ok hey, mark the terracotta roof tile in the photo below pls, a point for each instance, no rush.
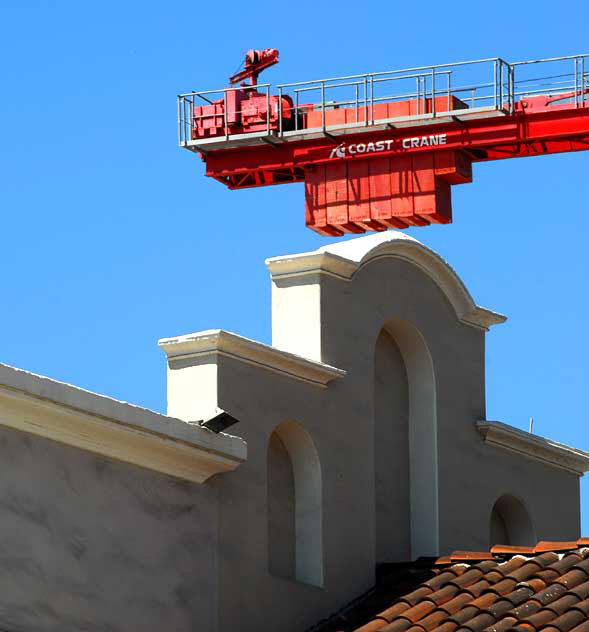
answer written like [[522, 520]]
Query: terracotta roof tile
[[510, 565], [448, 626], [540, 619], [584, 565], [454, 605], [477, 589], [499, 608], [525, 572], [518, 596], [504, 587], [523, 627], [466, 614], [481, 622], [581, 590], [567, 621], [416, 596], [432, 621], [512, 550], [536, 584], [527, 609], [398, 625], [484, 601], [567, 562], [442, 579], [446, 559], [420, 611], [373, 626], [549, 594], [470, 577], [502, 626], [555, 546], [470, 556], [548, 575], [390, 613], [525, 589], [444, 594], [560, 606]]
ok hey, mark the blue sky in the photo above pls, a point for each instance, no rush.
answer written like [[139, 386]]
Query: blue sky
[[113, 238]]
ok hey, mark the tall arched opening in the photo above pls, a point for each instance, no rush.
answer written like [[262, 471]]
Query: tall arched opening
[[406, 485], [511, 523], [295, 534]]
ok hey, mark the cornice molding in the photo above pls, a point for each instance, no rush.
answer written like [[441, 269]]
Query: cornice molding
[[217, 342], [500, 435], [343, 259], [74, 417], [311, 263]]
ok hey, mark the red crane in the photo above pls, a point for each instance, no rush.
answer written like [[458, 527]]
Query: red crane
[[382, 150]]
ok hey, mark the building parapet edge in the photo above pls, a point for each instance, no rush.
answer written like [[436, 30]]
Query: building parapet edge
[[331, 261], [113, 429], [500, 435], [217, 342]]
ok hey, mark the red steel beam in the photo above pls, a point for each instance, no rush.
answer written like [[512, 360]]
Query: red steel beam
[[560, 129]]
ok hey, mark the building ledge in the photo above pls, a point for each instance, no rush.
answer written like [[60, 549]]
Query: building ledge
[[549, 452], [217, 342], [114, 429]]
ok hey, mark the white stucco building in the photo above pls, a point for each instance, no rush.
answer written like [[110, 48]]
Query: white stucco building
[[361, 439]]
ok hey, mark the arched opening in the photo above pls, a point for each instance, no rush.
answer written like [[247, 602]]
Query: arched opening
[[406, 486], [295, 535], [511, 523]]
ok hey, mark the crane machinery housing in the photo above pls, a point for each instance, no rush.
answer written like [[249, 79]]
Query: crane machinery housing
[[381, 150]]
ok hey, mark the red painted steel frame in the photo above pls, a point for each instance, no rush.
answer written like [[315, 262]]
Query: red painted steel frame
[[399, 185]]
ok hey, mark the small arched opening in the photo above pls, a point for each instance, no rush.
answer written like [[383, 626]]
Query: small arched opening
[[295, 535], [511, 523], [406, 462]]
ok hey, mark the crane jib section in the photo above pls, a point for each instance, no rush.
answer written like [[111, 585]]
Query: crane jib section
[[373, 164]]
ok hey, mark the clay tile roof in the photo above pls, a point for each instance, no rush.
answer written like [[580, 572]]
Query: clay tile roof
[[526, 589]]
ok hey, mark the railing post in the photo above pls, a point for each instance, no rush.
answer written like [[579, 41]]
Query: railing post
[[365, 100], [576, 70], [433, 93], [280, 110], [500, 84], [371, 100], [225, 117], [511, 88], [323, 105], [448, 76], [583, 78], [188, 120], [179, 122], [495, 84], [268, 110]]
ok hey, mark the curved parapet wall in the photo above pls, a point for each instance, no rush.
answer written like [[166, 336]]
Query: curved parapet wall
[[296, 280]]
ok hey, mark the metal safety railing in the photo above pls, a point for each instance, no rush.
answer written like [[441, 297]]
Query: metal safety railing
[[369, 99]]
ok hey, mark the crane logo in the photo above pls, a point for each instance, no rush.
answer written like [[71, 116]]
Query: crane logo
[[343, 150], [339, 151]]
